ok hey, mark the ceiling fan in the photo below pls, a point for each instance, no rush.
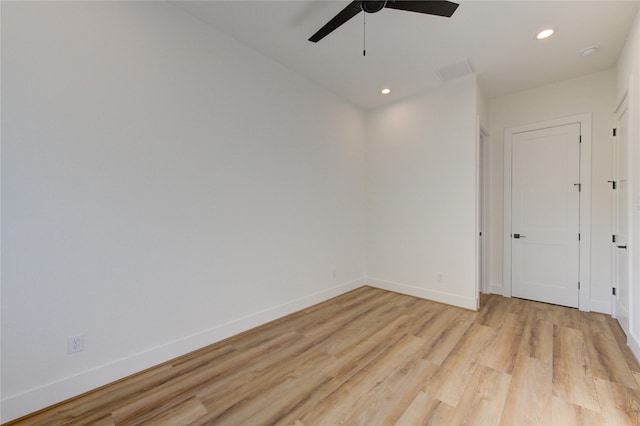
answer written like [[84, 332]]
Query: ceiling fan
[[430, 7]]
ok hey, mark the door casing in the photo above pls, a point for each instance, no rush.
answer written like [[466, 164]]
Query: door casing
[[585, 202], [483, 210], [620, 265]]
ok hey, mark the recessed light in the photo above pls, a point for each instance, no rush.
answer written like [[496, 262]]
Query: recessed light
[[385, 91], [589, 50], [546, 33]]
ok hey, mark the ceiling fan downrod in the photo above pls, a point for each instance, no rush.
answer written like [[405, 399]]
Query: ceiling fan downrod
[[369, 7], [364, 34]]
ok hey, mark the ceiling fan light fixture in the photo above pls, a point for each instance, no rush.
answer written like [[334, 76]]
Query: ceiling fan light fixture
[[546, 33], [385, 91]]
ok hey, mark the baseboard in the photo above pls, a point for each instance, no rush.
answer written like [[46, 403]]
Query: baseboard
[[436, 296], [16, 406], [634, 346]]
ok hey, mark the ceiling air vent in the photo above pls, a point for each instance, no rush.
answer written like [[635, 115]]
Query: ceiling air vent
[[457, 70]]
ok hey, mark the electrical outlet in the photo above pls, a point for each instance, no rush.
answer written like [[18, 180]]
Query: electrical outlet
[[75, 343]]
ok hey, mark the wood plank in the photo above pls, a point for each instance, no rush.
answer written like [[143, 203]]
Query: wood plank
[[260, 376], [619, 404], [529, 396], [443, 333], [345, 315], [565, 413], [483, 400], [353, 359], [621, 338], [191, 382], [537, 338], [261, 405], [503, 348], [425, 410], [492, 313], [607, 359], [389, 398], [183, 413], [566, 317], [449, 382], [340, 405], [358, 330], [572, 378], [78, 410]]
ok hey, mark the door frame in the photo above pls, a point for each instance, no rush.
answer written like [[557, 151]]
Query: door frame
[[584, 273], [482, 192], [622, 106]]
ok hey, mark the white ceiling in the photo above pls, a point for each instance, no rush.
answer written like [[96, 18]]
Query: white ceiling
[[404, 49]]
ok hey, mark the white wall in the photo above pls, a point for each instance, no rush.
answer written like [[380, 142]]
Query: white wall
[[163, 187], [421, 193], [590, 94], [628, 81]]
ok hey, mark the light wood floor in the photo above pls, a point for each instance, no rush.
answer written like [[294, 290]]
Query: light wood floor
[[373, 357]]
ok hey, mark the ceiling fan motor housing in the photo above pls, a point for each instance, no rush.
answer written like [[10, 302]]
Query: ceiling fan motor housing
[[372, 6]]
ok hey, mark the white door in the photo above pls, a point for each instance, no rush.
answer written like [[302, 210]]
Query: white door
[[545, 207], [621, 219]]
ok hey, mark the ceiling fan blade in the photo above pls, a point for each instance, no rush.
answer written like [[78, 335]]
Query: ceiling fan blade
[[347, 13], [431, 7]]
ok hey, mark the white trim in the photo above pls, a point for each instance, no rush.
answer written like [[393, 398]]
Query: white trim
[[483, 246], [16, 406], [585, 202], [622, 106], [634, 346], [613, 202], [478, 240], [423, 293], [630, 98], [634, 254]]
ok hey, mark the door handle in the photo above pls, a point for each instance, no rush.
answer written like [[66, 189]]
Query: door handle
[[623, 247], [519, 236]]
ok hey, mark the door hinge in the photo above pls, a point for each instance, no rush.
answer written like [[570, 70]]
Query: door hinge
[[580, 139], [578, 236], [613, 238], [613, 184], [613, 291], [579, 185], [578, 285], [614, 132]]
